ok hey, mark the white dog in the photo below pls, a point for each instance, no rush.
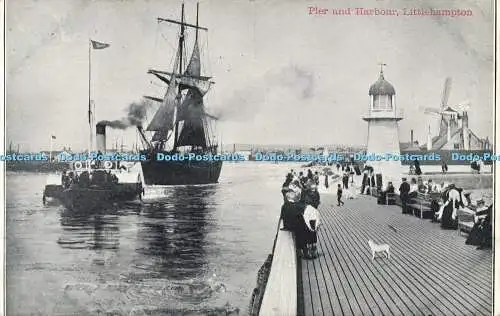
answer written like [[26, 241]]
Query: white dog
[[375, 248]]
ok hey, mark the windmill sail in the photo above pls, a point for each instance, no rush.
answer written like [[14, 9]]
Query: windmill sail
[[443, 125]]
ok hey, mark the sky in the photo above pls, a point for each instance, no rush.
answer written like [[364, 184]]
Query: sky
[[282, 76]]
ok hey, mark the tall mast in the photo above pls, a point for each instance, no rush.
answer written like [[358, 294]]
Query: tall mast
[[197, 10], [90, 106], [181, 44]]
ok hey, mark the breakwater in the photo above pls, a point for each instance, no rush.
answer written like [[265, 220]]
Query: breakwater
[[35, 166], [258, 292]]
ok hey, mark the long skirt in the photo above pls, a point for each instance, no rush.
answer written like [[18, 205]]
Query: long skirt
[[291, 214], [303, 235], [475, 235], [446, 219], [481, 235]]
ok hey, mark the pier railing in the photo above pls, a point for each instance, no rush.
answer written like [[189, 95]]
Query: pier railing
[[280, 295]]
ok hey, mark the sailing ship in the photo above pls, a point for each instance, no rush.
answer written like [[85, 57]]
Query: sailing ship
[[183, 119]]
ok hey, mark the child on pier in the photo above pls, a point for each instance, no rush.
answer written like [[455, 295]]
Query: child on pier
[[339, 196]]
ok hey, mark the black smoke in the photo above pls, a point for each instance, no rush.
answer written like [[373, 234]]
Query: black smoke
[[136, 113]]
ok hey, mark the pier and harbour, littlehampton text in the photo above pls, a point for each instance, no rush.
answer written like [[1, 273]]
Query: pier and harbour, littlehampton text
[[393, 12]]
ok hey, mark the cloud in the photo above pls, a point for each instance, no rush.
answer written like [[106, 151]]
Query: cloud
[[244, 104]]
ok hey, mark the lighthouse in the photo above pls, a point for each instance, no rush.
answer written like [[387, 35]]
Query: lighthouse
[[383, 134]]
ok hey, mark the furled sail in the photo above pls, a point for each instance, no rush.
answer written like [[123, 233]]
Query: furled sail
[[201, 83], [191, 79], [164, 118]]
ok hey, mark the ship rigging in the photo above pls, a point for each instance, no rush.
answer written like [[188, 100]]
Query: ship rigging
[[182, 116]]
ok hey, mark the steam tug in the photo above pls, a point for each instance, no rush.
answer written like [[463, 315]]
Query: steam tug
[[90, 185]]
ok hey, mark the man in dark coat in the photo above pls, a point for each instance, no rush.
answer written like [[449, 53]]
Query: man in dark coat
[[404, 189]]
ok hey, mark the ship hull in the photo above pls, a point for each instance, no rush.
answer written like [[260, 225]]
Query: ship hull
[[53, 190], [89, 199], [181, 172]]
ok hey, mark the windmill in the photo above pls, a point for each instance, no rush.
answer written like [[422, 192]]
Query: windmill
[[449, 114]]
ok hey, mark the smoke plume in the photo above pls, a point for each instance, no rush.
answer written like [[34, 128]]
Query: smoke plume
[[245, 103], [136, 113]]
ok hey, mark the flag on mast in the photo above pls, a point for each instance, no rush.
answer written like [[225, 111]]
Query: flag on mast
[[98, 45], [53, 137]]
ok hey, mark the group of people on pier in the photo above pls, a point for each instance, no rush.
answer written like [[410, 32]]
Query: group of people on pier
[[299, 211], [451, 200]]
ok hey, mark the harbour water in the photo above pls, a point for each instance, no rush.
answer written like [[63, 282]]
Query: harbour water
[[187, 251], [195, 251]]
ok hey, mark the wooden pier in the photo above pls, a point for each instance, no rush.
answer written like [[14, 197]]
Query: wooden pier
[[431, 271]]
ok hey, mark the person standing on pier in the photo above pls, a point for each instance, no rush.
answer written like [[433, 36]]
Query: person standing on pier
[[444, 167], [311, 194], [302, 178], [326, 180], [345, 180], [310, 174], [293, 206], [417, 167], [364, 182], [339, 196], [309, 232], [284, 187], [404, 190]]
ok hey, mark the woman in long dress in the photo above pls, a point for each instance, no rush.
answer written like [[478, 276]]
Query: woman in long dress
[[306, 233], [448, 212], [293, 205]]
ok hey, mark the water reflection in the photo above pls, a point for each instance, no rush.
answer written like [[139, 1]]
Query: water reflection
[[172, 233], [89, 230]]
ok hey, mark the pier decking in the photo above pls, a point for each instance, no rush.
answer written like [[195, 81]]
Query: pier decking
[[431, 271]]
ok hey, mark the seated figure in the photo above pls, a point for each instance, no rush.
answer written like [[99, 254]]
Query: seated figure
[[413, 188], [382, 198], [481, 233]]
